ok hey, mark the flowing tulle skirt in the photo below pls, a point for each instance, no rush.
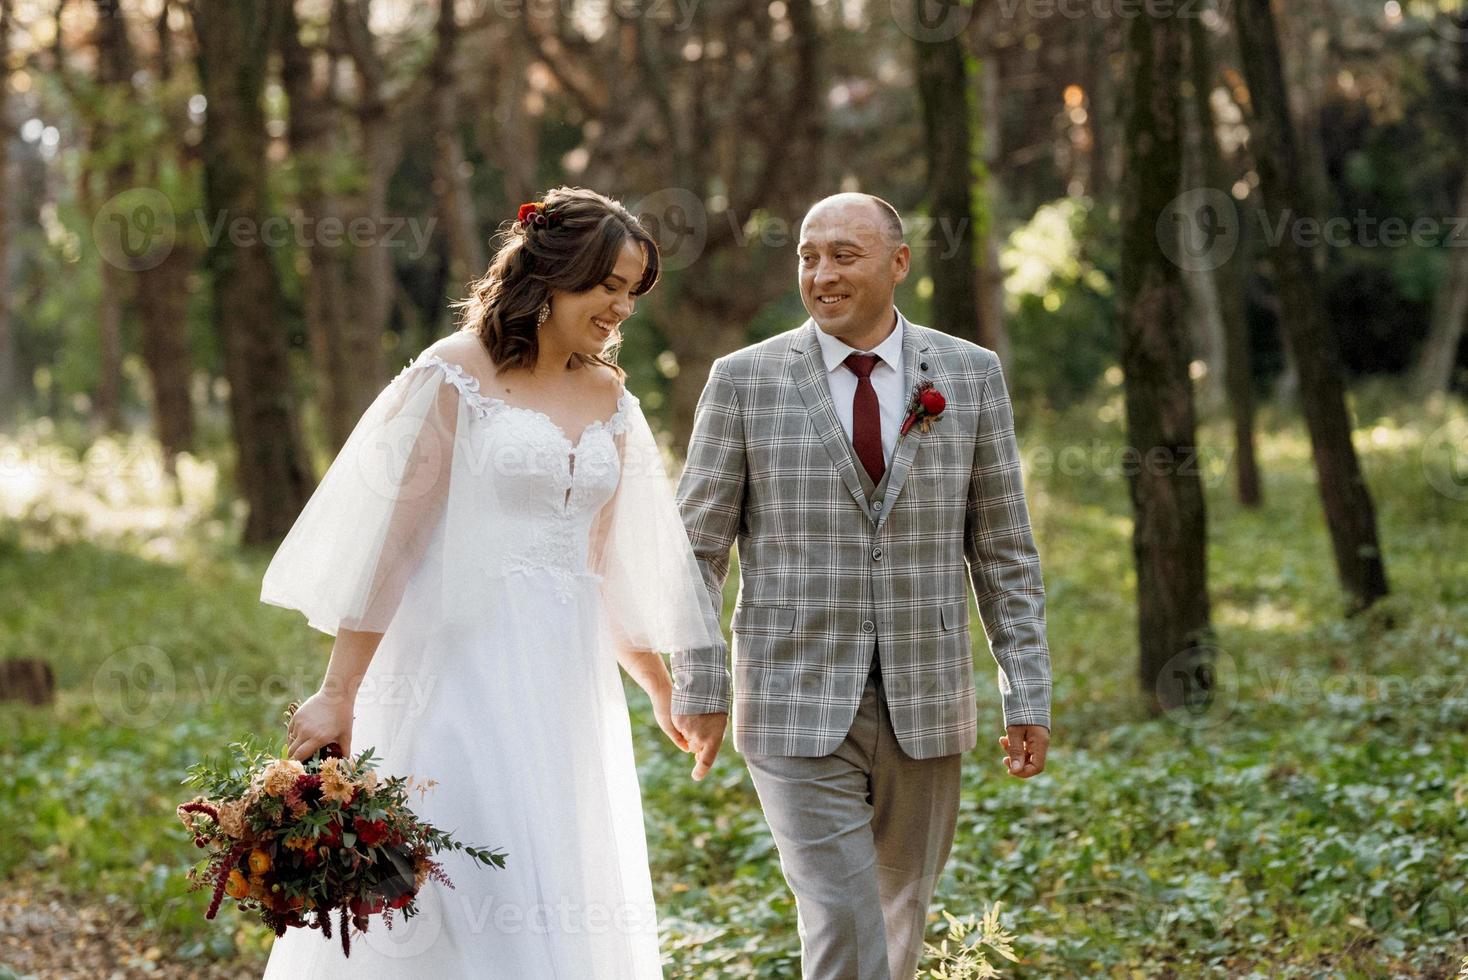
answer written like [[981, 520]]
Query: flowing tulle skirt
[[516, 708]]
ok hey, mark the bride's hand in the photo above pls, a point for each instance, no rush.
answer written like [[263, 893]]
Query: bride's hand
[[662, 710], [326, 717]]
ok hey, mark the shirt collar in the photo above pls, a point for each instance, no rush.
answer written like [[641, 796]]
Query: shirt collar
[[835, 352]]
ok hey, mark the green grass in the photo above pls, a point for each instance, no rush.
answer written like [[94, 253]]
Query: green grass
[[1310, 824]]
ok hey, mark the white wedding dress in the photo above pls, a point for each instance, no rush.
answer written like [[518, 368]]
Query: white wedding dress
[[501, 561]]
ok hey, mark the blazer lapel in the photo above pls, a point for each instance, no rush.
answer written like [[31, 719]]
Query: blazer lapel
[[915, 355], [809, 373]]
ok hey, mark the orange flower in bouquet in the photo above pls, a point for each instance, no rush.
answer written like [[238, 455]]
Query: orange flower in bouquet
[[297, 843]]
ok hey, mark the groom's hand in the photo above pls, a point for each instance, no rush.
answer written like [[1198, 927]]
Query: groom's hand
[[705, 733], [1026, 746]]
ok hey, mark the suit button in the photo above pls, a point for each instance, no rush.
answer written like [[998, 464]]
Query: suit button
[[876, 554], [868, 626], [877, 504]]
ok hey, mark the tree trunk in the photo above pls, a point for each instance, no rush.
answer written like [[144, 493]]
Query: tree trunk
[[1449, 316], [372, 273], [1102, 111], [943, 89], [9, 368], [1205, 312], [1235, 357], [159, 290], [455, 203], [234, 42], [993, 328], [1347, 501], [114, 72], [314, 126], [1169, 537], [162, 302], [508, 133], [1439, 357]]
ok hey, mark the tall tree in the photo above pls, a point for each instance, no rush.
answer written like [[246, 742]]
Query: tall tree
[[1349, 512], [9, 374], [345, 145], [451, 194], [314, 123], [1228, 278], [994, 330], [234, 43], [158, 290], [1169, 536], [109, 124], [943, 89], [1439, 355], [162, 295], [723, 114]]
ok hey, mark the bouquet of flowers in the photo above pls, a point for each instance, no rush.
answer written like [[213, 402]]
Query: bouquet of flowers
[[296, 842]]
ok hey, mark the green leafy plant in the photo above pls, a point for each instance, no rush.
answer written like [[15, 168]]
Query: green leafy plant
[[961, 955]]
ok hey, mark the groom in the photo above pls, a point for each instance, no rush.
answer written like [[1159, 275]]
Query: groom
[[853, 682]]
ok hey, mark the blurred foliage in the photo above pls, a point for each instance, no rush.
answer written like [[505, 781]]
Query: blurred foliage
[[1059, 269], [1309, 824]]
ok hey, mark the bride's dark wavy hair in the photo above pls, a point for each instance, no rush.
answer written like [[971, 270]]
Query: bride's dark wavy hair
[[574, 251]]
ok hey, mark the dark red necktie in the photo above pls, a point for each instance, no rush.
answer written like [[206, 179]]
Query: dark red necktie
[[866, 417]]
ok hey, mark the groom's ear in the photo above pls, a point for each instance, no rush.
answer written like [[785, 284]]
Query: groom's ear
[[901, 262]]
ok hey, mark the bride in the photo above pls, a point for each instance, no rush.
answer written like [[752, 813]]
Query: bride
[[497, 534]]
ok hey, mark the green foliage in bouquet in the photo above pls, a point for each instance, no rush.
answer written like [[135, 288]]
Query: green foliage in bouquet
[[295, 842]]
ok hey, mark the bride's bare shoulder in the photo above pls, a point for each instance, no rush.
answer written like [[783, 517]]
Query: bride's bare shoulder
[[464, 349]]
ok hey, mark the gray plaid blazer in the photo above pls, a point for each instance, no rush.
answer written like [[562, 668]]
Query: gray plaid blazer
[[834, 572]]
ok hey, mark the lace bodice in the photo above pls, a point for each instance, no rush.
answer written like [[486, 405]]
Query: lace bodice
[[542, 490]]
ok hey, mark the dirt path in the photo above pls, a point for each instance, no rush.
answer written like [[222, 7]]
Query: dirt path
[[46, 938]]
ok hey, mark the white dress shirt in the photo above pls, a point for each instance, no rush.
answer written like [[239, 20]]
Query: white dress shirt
[[886, 381]]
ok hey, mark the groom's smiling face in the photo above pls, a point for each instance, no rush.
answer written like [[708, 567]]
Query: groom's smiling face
[[851, 260]]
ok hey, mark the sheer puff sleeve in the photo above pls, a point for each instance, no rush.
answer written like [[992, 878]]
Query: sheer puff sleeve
[[348, 557], [652, 592]]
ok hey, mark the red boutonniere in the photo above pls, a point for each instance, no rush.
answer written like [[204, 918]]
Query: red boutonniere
[[534, 213], [925, 407]]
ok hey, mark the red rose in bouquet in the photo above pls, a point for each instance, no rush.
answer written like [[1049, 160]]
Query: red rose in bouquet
[[295, 842]]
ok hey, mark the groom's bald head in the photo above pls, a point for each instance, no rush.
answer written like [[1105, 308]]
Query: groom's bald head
[[855, 207]]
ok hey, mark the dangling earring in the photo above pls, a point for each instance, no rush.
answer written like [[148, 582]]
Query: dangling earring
[[542, 316]]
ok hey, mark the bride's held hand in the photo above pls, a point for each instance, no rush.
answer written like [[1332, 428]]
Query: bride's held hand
[[662, 710], [326, 717], [650, 672]]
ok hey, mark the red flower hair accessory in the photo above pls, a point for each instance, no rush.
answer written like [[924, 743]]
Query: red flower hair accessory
[[534, 213]]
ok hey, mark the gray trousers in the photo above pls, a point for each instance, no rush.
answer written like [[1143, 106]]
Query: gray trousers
[[863, 835]]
